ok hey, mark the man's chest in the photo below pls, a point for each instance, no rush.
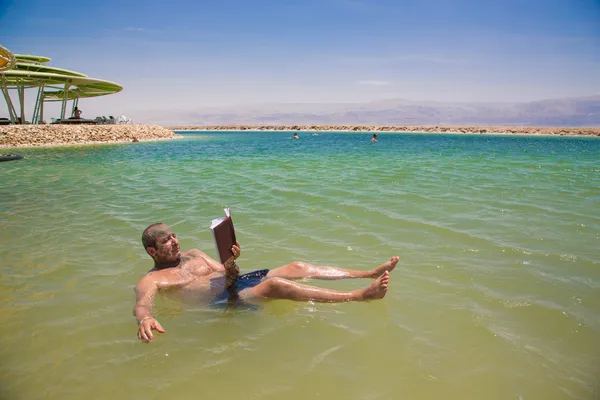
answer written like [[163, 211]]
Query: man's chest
[[194, 268]]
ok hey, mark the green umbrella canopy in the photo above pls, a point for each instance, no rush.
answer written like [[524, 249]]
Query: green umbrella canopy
[[29, 71], [34, 59], [84, 86]]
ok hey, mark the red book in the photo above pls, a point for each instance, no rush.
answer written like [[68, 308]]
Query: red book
[[224, 233]]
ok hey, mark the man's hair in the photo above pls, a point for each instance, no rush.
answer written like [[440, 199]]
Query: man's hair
[[151, 234]]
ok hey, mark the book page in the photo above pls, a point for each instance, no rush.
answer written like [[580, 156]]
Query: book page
[[216, 222]]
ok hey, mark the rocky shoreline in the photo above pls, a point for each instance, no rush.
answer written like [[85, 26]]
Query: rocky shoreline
[[60, 135], [489, 130]]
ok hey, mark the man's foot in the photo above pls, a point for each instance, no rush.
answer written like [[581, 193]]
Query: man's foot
[[388, 266], [377, 289]]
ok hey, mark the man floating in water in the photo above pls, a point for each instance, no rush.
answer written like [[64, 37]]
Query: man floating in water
[[193, 273]]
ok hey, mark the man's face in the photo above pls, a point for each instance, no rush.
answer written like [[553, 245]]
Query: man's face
[[167, 246]]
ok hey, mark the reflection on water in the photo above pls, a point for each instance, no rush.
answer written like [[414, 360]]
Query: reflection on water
[[495, 296]]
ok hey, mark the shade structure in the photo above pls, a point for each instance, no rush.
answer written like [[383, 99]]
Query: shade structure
[[52, 84]]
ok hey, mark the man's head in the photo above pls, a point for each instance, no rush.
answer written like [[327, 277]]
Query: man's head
[[161, 243]]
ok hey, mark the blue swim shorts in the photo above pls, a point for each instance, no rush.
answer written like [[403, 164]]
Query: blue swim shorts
[[245, 281]]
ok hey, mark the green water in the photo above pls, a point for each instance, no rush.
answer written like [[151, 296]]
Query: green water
[[496, 296]]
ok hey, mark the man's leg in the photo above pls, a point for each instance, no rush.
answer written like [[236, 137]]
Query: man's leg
[[299, 270], [280, 288]]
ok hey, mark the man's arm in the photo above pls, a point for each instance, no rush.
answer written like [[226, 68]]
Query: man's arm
[[229, 268], [144, 293]]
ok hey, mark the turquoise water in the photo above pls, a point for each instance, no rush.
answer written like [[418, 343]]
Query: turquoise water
[[496, 296]]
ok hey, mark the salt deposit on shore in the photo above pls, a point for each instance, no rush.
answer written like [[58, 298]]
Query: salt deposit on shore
[[490, 130], [59, 135]]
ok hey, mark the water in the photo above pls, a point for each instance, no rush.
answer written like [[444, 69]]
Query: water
[[496, 296]]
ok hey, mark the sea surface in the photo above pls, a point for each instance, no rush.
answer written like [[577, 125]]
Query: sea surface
[[496, 295]]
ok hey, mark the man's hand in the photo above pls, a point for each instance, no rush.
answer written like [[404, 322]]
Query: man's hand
[[146, 327], [231, 268], [236, 250]]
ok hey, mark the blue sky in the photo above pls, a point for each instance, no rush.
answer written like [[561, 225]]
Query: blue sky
[[182, 54]]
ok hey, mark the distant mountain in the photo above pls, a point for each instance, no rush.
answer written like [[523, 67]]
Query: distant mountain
[[571, 112]]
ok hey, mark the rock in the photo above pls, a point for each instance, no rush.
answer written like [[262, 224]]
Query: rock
[[49, 135]]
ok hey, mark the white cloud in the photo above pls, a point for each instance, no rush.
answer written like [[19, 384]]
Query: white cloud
[[374, 83], [131, 29]]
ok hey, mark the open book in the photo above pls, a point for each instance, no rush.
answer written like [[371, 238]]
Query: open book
[[224, 233]]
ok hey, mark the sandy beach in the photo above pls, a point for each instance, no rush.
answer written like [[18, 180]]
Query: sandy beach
[[490, 130], [60, 135]]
